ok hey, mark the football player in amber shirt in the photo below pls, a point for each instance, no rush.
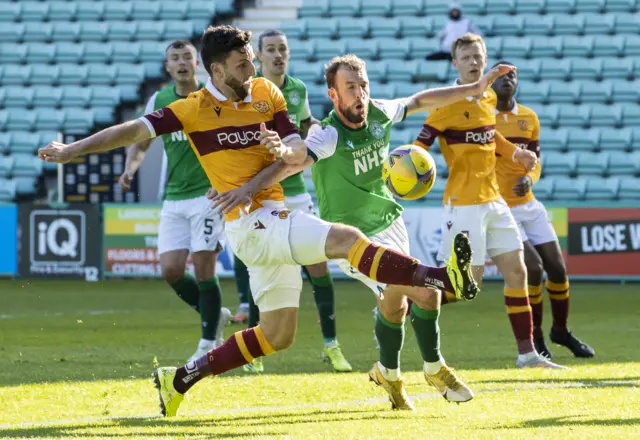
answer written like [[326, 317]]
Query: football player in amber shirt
[[238, 126], [472, 203], [542, 253]]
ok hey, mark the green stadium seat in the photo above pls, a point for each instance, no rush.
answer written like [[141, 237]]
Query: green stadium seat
[[632, 46], [154, 70], [18, 97], [124, 52], [10, 11], [11, 53], [377, 70], [326, 49], [43, 74], [538, 25], [78, 120], [89, 11], [546, 47], [11, 32], [37, 32], [65, 31], [570, 189], [25, 143], [611, 46], [475, 8], [94, 31], [325, 28], [624, 164], [179, 30], [384, 27], [598, 24], [294, 29], [590, 69], [494, 47], [150, 30], [349, 27], [555, 69], [117, 10], [73, 96], [365, 49], [507, 25], [5, 142], [437, 192], [544, 189], [393, 49], [383, 91], [410, 8], [341, 8], [547, 114], [421, 47], [301, 50], [573, 116], [173, 10], [563, 93], [225, 7], [560, 7], [100, 74], [618, 68], [515, 47], [40, 53], [6, 165], [25, 185], [485, 23], [594, 6], [103, 115], [627, 24], [129, 93], [417, 27], [406, 89], [568, 24], [530, 92], [74, 75], [624, 91], [620, 6], [34, 11], [26, 166], [583, 140], [577, 46], [596, 92], [69, 52], [402, 137], [436, 7], [98, 52], [553, 140], [499, 7], [606, 116], [4, 119], [559, 164], [3, 95], [403, 72], [21, 119], [7, 189], [629, 189], [602, 189], [45, 96], [615, 139], [593, 164], [376, 8], [121, 31], [441, 164], [132, 74], [528, 70], [49, 119], [314, 8], [104, 96], [201, 10], [153, 51], [413, 122], [630, 114], [310, 72], [145, 10]]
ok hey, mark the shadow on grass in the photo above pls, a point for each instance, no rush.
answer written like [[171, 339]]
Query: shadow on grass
[[566, 421], [145, 427], [612, 382]]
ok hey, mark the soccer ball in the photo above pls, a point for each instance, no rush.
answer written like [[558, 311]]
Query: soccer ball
[[409, 172]]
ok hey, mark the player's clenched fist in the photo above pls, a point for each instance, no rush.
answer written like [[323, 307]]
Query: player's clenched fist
[[125, 180], [56, 152], [495, 73], [526, 158], [271, 140]]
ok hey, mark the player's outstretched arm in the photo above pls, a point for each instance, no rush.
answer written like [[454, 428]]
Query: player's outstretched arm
[[135, 155], [110, 138], [292, 152], [526, 158], [431, 99]]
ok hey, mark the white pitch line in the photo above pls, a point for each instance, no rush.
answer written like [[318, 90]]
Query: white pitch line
[[75, 314], [324, 405]]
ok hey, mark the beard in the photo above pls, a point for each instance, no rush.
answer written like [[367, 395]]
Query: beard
[[350, 115], [237, 87]]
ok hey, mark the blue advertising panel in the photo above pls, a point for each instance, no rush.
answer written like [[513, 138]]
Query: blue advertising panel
[[8, 239]]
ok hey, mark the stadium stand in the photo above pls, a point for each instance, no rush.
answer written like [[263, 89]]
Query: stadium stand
[[72, 67], [577, 62]]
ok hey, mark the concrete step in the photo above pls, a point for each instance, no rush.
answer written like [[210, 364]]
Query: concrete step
[[280, 14]]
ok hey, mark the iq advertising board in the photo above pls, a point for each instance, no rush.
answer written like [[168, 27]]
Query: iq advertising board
[[130, 241], [61, 243]]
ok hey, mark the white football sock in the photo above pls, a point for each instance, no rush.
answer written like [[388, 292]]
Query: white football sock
[[391, 374]]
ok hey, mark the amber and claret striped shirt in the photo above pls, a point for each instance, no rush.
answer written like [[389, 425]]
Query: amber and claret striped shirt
[[468, 139], [521, 127], [223, 134]]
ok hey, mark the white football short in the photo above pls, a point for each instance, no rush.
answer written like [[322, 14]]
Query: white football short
[[302, 202], [189, 224], [534, 225], [491, 229], [394, 237], [274, 242]]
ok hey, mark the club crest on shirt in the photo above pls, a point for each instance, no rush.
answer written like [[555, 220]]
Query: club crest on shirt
[[294, 97], [261, 106], [376, 129], [523, 125]]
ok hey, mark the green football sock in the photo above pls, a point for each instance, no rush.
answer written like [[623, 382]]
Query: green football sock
[[242, 280], [254, 313], [187, 290], [324, 296], [390, 338], [210, 303], [425, 325]]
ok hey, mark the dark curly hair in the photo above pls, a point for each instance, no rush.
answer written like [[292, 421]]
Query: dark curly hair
[[219, 41]]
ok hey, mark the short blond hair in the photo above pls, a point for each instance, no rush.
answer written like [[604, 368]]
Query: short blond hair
[[466, 40], [350, 61]]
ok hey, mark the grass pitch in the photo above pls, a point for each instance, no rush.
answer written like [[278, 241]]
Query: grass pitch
[[76, 361]]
